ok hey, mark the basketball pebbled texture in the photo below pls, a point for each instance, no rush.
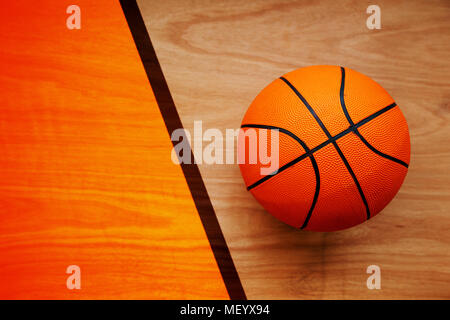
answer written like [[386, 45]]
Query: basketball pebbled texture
[[344, 148]]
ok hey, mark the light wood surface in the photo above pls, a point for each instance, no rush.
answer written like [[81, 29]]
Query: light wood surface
[[218, 55]]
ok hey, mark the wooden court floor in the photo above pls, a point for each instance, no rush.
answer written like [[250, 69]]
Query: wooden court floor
[[216, 57], [86, 176]]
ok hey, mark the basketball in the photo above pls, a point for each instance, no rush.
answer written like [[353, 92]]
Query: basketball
[[343, 148]]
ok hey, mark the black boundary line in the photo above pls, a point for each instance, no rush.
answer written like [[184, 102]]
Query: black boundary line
[[311, 110], [360, 136], [191, 172], [307, 153]]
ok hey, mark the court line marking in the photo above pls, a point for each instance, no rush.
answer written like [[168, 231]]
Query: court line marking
[[191, 172]]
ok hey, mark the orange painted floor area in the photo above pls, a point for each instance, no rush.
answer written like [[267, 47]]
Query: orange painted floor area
[[86, 176]]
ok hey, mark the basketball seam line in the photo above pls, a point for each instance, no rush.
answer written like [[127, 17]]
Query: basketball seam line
[[309, 154], [360, 136], [311, 110], [317, 148], [355, 179]]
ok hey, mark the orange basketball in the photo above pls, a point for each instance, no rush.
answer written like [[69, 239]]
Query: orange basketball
[[343, 148]]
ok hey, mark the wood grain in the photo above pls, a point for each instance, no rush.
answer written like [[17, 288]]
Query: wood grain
[[86, 176], [217, 56]]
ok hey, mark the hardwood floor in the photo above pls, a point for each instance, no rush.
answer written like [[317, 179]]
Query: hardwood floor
[[217, 56]]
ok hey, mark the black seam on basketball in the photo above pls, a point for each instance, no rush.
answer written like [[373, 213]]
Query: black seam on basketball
[[285, 166], [341, 96], [360, 136], [307, 153], [316, 192], [320, 146], [349, 169], [285, 131], [311, 110], [379, 152]]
